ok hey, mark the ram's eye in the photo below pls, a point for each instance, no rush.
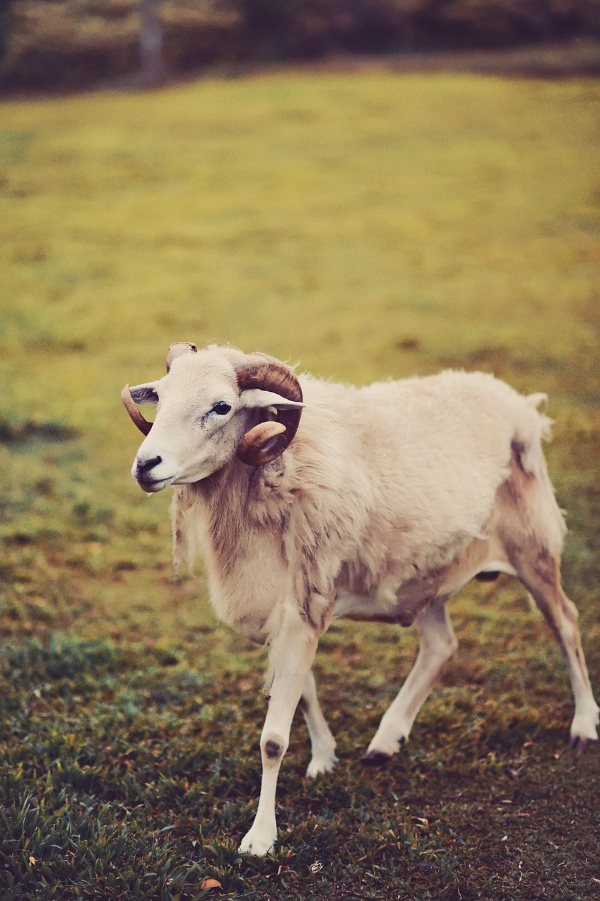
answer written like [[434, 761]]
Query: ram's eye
[[222, 408]]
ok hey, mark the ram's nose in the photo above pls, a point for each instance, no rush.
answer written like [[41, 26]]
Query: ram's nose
[[144, 473], [143, 467]]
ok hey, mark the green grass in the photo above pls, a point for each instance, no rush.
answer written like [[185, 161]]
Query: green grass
[[368, 226]]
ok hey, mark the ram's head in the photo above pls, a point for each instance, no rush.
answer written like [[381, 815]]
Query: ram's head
[[213, 405]]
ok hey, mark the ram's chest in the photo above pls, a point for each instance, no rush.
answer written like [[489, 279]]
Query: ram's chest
[[247, 582]]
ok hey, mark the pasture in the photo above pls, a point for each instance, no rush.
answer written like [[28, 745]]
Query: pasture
[[369, 226]]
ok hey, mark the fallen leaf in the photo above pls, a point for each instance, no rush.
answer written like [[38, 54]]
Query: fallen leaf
[[211, 883]]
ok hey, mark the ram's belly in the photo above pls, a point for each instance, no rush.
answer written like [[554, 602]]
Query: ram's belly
[[394, 600], [407, 605]]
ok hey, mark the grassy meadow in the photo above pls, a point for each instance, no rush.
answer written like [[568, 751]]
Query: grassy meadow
[[370, 225]]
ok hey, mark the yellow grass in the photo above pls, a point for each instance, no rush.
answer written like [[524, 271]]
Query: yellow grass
[[367, 226]]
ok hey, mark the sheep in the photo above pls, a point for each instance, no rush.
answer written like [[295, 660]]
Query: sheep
[[314, 501]]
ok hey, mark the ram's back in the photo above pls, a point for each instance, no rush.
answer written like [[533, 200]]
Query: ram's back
[[409, 469]]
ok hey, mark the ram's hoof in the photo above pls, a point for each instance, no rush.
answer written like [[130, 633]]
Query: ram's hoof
[[375, 758], [578, 743]]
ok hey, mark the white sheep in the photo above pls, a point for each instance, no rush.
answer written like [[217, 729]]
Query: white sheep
[[385, 503]]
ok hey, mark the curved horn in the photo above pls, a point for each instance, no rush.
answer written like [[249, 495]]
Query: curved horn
[[143, 425], [262, 445], [260, 442], [179, 348]]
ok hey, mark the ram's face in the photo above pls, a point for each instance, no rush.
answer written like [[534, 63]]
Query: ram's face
[[198, 425], [205, 406]]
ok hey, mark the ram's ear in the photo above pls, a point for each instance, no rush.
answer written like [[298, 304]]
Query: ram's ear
[[257, 398], [139, 394], [144, 394]]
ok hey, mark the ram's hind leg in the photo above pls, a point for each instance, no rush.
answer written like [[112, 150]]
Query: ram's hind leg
[[322, 741], [530, 527], [437, 646], [539, 570]]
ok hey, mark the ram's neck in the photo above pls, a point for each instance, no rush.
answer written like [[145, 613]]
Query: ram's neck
[[222, 502], [235, 520]]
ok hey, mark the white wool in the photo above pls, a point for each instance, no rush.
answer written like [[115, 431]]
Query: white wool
[[380, 482]]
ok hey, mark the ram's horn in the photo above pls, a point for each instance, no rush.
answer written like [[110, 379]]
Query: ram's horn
[[253, 443], [143, 425], [262, 445], [176, 350]]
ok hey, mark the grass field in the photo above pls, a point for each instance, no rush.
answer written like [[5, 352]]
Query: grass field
[[367, 226]]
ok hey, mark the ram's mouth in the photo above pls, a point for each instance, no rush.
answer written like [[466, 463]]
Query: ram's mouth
[[151, 486]]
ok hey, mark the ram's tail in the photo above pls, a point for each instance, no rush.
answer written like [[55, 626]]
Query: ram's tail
[[532, 428]]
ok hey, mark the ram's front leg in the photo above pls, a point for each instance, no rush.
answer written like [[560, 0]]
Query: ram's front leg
[[291, 656]]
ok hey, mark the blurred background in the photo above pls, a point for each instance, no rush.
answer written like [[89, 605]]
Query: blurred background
[[370, 189], [70, 43]]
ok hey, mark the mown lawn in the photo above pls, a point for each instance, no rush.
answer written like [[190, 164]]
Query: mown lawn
[[368, 226]]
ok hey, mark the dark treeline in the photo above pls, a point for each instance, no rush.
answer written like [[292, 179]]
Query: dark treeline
[[67, 43]]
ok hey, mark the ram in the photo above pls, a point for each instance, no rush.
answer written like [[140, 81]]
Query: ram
[[314, 501]]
